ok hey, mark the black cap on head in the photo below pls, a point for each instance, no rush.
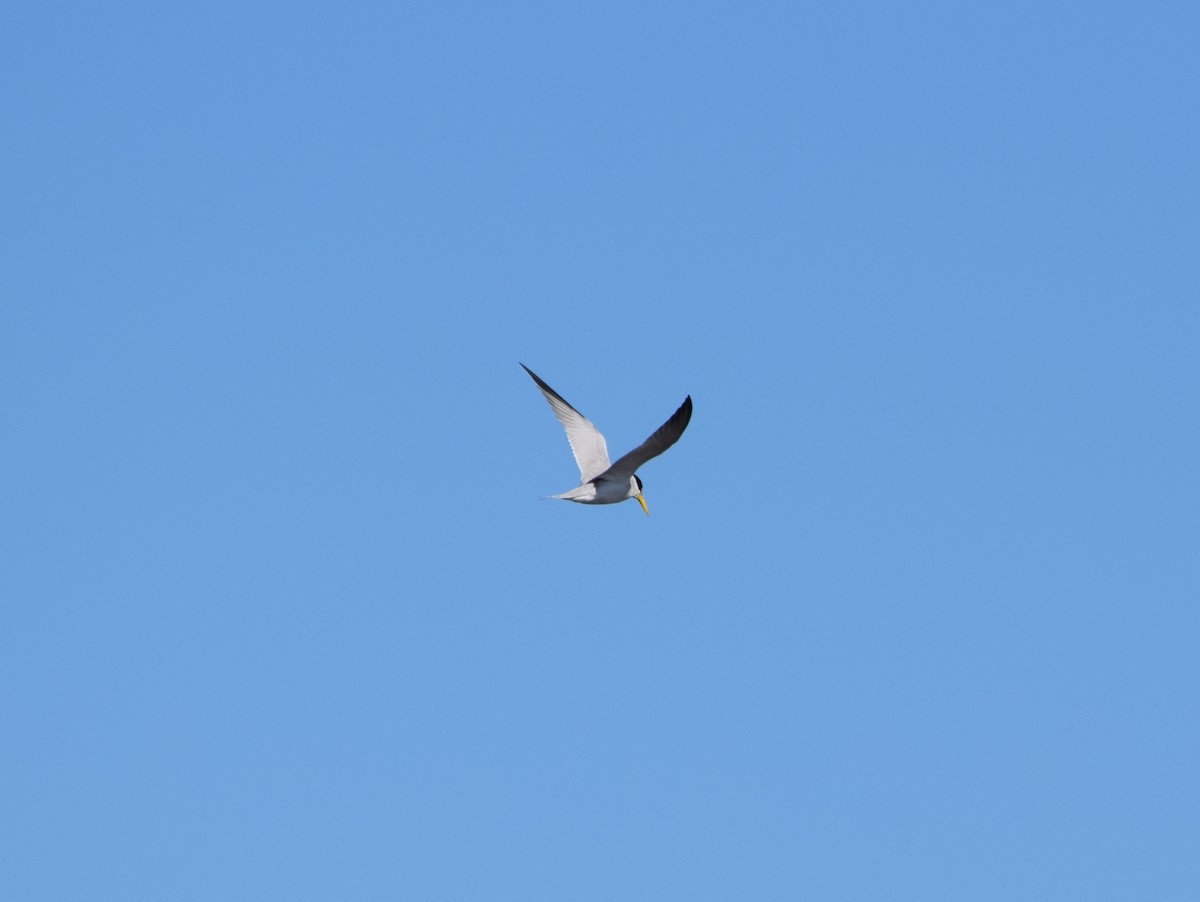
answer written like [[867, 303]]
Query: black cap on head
[[638, 480]]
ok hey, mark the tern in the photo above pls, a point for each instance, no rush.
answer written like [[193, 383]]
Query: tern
[[599, 481]]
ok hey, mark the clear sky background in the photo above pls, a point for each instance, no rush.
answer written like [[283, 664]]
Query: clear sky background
[[915, 611]]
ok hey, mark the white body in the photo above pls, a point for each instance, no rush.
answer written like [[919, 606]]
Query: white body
[[602, 491]]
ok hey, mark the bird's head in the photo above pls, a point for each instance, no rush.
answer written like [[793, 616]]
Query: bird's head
[[635, 491]]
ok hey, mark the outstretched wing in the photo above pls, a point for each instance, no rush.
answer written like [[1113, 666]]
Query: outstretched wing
[[664, 437], [587, 444]]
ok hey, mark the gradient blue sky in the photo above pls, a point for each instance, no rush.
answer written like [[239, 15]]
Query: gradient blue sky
[[915, 612]]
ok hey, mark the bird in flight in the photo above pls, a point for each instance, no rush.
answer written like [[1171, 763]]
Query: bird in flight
[[599, 481]]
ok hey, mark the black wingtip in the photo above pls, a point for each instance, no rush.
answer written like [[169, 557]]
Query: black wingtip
[[684, 413], [546, 388], [679, 420]]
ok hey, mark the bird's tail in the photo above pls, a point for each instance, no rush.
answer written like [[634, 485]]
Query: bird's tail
[[585, 492]]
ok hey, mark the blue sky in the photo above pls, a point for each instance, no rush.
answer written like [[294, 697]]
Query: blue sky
[[914, 615]]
